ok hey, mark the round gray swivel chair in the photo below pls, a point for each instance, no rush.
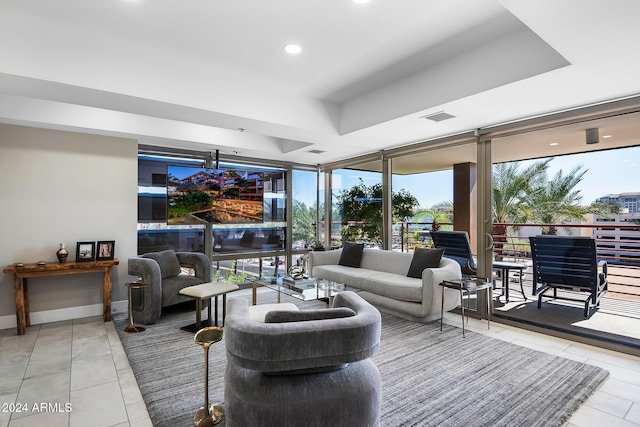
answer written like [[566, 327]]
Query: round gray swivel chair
[[306, 367]]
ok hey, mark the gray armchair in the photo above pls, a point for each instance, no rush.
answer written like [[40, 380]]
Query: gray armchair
[[161, 272], [307, 367]]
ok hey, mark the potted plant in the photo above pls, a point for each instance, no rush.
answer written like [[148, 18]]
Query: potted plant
[[317, 245]]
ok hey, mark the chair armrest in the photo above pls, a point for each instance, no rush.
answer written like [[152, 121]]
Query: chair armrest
[[198, 261], [147, 269], [602, 267], [431, 279], [602, 271], [292, 346], [151, 303]]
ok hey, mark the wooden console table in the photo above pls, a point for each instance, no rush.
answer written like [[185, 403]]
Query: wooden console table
[[20, 275]]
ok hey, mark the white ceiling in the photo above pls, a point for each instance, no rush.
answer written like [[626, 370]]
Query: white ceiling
[[192, 73]]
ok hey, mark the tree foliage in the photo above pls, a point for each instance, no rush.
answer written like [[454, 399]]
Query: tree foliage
[[604, 209], [528, 195], [361, 211], [437, 214], [303, 223], [557, 201], [510, 187], [190, 202]]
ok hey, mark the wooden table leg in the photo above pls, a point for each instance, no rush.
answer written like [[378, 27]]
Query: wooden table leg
[[106, 297], [21, 318], [27, 311]]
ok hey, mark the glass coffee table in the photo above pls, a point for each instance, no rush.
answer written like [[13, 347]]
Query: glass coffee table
[[302, 289]]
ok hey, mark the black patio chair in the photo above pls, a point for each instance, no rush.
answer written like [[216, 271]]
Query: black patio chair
[[570, 264], [456, 246]]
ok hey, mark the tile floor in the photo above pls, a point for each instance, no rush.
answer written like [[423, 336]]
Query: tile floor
[[79, 371]]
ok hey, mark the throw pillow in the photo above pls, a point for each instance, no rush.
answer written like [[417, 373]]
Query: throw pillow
[[168, 262], [424, 258], [351, 254], [282, 316]]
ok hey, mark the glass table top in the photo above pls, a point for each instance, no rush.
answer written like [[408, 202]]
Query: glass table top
[[305, 289]]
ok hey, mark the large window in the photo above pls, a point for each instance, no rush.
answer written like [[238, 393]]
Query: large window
[[434, 210], [305, 209], [239, 249], [153, 233], [267, 235], [357, 207]]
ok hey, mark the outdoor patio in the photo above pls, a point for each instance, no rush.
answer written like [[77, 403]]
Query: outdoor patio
[[614, 323]]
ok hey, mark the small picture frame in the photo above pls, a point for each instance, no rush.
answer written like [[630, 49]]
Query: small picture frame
[[105, 249], [85, 251]]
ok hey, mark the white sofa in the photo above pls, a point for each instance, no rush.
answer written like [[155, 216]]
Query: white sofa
[[382, 280]]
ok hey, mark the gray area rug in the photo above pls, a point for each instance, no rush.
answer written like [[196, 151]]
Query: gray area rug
[[430, 378]]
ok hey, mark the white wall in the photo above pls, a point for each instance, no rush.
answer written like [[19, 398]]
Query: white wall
[[64, 187]]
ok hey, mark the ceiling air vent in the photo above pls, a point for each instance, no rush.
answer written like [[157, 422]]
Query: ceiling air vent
[[315, 151], [438, 117]]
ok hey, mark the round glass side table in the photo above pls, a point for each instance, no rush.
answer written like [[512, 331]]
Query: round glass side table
[[468, 286]]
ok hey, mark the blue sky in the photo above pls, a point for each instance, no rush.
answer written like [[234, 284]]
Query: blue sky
[[608, 172]]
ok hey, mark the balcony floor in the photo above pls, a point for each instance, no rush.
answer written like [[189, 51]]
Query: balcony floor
[[615, 323]]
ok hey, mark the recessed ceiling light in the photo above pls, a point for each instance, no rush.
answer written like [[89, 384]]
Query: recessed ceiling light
[[606, 136], [292, 48], [361, 1], [553, 143]]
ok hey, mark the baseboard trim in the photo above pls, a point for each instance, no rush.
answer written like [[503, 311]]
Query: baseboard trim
[[119, 309]]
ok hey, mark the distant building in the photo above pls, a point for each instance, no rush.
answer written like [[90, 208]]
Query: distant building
[[629, 202]]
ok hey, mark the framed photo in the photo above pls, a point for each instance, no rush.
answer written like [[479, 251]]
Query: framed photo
[[105, 249], [85, 251]]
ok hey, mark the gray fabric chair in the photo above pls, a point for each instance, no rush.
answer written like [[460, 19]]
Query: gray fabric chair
[[161, 272], [307, 367]]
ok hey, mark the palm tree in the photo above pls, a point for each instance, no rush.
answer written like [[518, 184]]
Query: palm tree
[[437, 214], [441, 212], [556, 201], [510, 187], [604, 209]]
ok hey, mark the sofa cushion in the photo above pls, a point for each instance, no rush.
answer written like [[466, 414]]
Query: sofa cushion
[[424, 258], [390, 285], [351, 255], [168, 262], [281, 316], [387, 261]]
